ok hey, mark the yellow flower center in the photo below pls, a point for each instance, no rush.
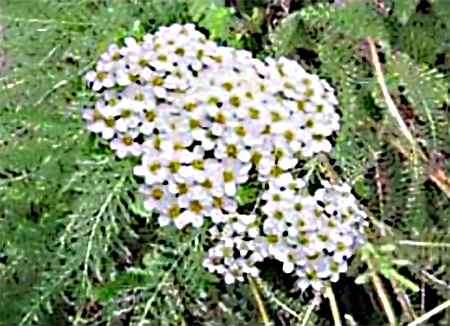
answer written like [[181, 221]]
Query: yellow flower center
[[157, 194], [218, 202], [190, 106], [234, 101], [110, 122], [197, 164], [256, 158], [174, 211], [240, 131], [182, 188], [228, 86], [228, 176], [150, 116], [180, 52], [289, 135], [125, 113], [154, 167], [174, 166], [207, 184], [101, 75], [127, 140], [232, 151], [298, 207], [139, 97], [158, 81], [195, 206], [143, 63]]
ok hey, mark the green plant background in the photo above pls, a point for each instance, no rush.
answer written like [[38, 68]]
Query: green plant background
[[76, 245]]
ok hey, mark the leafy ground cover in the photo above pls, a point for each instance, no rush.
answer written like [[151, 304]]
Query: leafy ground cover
[[77, 245]]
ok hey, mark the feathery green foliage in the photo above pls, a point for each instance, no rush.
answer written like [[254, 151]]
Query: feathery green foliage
[[76, 245]]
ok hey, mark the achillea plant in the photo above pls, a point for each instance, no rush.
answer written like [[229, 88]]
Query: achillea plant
[[208, 117], [230, 162]]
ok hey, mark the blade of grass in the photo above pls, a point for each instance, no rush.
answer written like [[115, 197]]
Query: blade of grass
[[381, 293], [430, 314], [259, 301], [333, 304]]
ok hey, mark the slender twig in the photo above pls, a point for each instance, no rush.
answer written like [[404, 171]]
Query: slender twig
[[158, 289], [47, 56], [286, 308], [9, 86], [97, 221], [54, 88], [430, 314], [333, 304], [424, 244], [381, 293], [438, 177], [44, 21], [383, 227], [62, 83], [259, 301], [310, 309], [54, 284], [20, 177], [389, 102], [434, 279], [149, 302], [403, 299], [422, 299]]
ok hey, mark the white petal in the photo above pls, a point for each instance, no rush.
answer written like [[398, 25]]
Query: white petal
[[136, 149], [292, 232], [208, 144], [244, 156], [216, 129], [122, 125], [97, 85], [287, 163], [247, 219], [197, 221], [115, 144], [108, 82], [185, 171], [183, 201], [229, 279], [163, 220], [122, 78], [108, 133], [96, 126], [183, 220], [140, 170], [147, 128], [199, 134], [90, 76], [130, 42], [122, 152], [230, 189], [217, 216], [160, 92], [288, 267], [150, 179]]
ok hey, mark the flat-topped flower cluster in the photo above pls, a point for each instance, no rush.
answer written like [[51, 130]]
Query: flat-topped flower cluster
[[204, 118]]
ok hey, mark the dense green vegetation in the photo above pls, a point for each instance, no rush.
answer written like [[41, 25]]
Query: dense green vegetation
[[76, 244]]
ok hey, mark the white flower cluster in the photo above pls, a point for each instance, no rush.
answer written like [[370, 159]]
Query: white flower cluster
[[312, 235], [203, 117]]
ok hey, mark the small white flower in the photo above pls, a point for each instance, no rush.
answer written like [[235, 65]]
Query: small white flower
[[152, 169], [125, 145], [102, 77]]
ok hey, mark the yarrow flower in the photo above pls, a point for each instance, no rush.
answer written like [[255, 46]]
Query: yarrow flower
[[204, 119]]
